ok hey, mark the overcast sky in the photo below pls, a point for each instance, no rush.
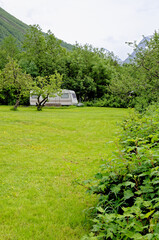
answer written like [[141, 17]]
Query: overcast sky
[[101, 23]]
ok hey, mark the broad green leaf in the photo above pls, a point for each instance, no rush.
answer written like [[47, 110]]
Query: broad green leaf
[[132, 184], [147, 215], [100, 209], [128, 194], [116, 189], [137, 236]]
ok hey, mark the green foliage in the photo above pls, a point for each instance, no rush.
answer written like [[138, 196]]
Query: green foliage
[[95, 76], [128, 186], [109, 100], [13, 79], [42, 54], [46, 86], [138, 82], [8, 49], [125, 82], [88, 72]]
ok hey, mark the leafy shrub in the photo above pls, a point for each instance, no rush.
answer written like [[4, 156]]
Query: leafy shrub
[[141, 103], [107, 101], [128, 206]]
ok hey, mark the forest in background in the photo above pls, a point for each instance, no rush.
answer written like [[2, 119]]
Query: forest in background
[[95, 75]]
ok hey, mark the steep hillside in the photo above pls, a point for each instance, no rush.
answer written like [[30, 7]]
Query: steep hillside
[[11, 25]]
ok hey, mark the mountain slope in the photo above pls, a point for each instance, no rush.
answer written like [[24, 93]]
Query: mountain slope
[[9, 25], [141, 45]]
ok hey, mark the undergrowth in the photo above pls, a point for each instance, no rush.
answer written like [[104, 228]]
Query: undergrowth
[[128, 206]]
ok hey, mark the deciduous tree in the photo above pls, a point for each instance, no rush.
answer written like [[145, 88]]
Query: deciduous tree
[[139, 80], [15, 80], [45, 87], [8, 49], [42, 54]]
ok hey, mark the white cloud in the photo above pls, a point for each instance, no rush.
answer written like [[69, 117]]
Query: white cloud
[[103, 23]]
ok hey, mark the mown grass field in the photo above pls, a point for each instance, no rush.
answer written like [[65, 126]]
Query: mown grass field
[[42, 154]]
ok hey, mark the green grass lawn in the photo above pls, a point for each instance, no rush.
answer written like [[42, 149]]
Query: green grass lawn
[[42, 154]]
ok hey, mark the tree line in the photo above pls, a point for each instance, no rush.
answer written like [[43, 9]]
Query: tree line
[[95, 75]]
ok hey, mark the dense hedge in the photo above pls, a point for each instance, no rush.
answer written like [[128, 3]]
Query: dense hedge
[[127, 187], [109, 100]]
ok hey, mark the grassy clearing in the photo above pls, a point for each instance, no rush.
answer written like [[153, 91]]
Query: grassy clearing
[[42, 154]]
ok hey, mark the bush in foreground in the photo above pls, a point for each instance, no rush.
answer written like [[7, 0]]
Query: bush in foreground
[[128, 206]]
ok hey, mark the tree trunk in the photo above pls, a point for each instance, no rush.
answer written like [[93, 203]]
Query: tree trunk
[[39, 107], [41, 104], [16, 104]]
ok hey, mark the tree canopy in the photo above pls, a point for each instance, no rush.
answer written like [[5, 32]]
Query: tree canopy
[[138, 82], [42, 53], [18, 83], [94, 74], [45, 87]]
